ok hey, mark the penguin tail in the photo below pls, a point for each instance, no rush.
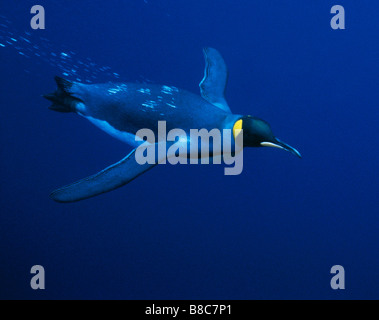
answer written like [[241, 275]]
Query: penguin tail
[[62, 99]]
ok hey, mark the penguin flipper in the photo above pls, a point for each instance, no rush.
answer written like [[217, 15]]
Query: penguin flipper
[[213, 85], [106, 180]]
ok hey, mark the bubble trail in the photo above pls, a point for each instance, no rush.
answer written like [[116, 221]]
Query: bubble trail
[[29, 45]]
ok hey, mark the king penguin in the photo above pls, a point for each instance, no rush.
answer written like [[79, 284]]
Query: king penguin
[[121, 109]]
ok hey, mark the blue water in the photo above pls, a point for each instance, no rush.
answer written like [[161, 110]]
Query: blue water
[[189, 232]]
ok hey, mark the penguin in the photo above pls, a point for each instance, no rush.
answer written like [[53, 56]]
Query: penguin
[[121, 109]]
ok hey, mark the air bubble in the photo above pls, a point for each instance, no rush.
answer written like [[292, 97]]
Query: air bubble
[[41, 49]]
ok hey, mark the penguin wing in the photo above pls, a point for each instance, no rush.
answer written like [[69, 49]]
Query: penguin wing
[[106, 180], [213, 85]]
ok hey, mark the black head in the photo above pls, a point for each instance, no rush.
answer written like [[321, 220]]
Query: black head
[[258, 133]]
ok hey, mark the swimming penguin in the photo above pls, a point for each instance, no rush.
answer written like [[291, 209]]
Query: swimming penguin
[[121, 109]]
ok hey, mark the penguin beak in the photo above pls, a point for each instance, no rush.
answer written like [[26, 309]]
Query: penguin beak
[[281, 145]]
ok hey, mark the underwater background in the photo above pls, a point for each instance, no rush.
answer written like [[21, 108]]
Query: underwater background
[[190, 232]]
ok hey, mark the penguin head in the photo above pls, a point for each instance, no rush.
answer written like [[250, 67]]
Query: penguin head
[[258, 133]]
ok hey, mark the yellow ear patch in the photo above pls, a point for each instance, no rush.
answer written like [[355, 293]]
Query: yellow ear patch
[[237, 128]]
